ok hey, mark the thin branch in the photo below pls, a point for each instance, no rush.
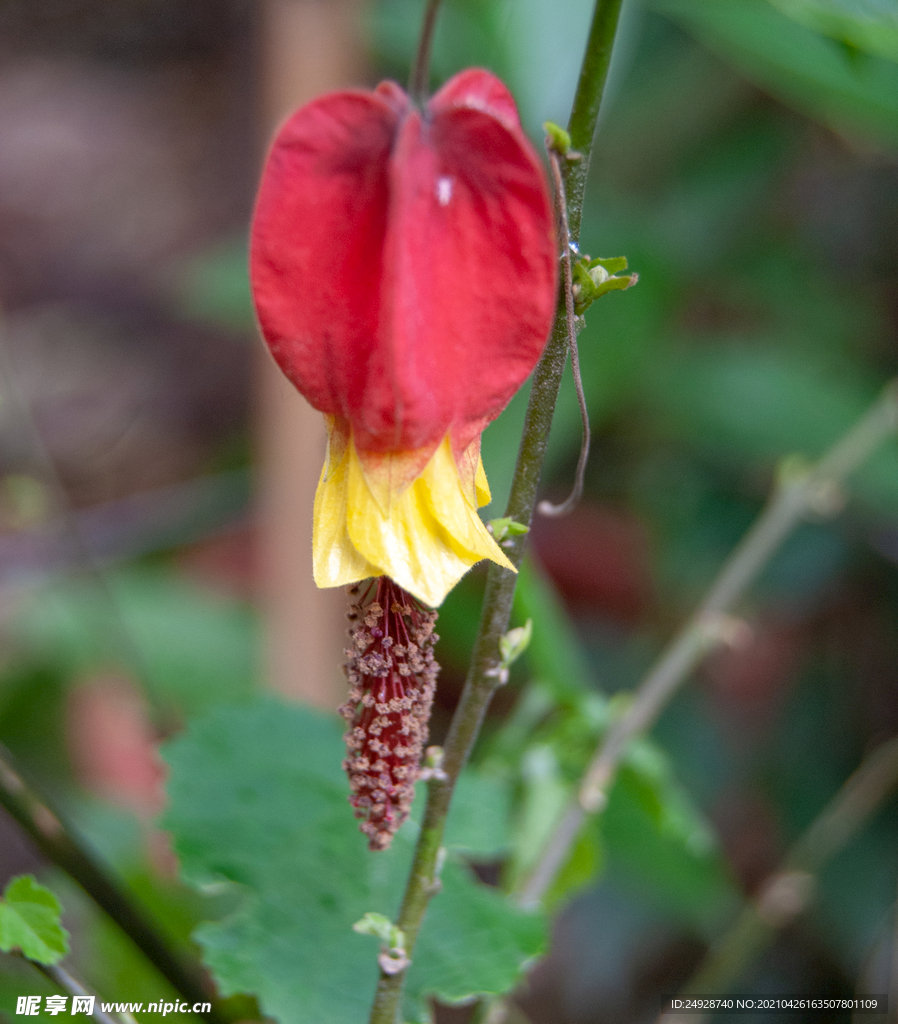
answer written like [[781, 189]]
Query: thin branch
[[496, 614], [797, 496], [58, 842], [546, 508], [787, 893], [498, 1010], [419, 79], [62, 979]]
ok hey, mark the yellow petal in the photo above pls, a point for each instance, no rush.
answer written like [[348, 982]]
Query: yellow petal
[[426, 541], [408, 545], [337, 440], [470, 468], [442, 490], [481, 485], [336, 562], [388, 474]]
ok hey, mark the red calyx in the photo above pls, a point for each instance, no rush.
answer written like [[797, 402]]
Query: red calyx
[[404, 263]]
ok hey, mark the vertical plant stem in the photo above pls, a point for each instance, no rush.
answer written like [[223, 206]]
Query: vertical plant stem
[[587, 102], [419, 78], [796, 497], [482, 681], [60, 844]]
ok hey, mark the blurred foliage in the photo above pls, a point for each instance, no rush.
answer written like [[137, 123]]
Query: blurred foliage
[[826, 77], [746, 166], [190, 648], [214, 287], [866, 24]]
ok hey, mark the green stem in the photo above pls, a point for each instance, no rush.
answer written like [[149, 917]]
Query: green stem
[[419, 79], [797, 495], [59, 843], [482, 680], [62, 979], [587, 102]]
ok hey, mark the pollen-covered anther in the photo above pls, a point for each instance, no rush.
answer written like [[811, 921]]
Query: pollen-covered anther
[[392, 674]]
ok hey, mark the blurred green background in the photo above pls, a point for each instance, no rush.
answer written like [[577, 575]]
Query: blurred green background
[[747, 166]]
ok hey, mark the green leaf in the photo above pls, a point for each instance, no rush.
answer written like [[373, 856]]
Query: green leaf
[[506, 527], [478, 822], [580, 870], [473, 942], [513, 643], [258, 799], [870, 25], [459, 622], [554, 655], [810, 71], [557, 137], [657, 841], [544, 796], [595, 278], [382, 928], [29, 921]]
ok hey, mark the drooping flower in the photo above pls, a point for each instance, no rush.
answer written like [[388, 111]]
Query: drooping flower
[[403, 265]]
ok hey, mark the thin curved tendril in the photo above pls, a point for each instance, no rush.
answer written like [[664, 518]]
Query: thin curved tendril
[[546, 508]]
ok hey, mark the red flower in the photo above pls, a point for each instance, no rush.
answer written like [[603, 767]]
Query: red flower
[[404, 272]]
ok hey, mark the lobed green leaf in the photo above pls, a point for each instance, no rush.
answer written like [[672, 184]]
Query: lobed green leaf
[[258, 799], [30, 922]]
